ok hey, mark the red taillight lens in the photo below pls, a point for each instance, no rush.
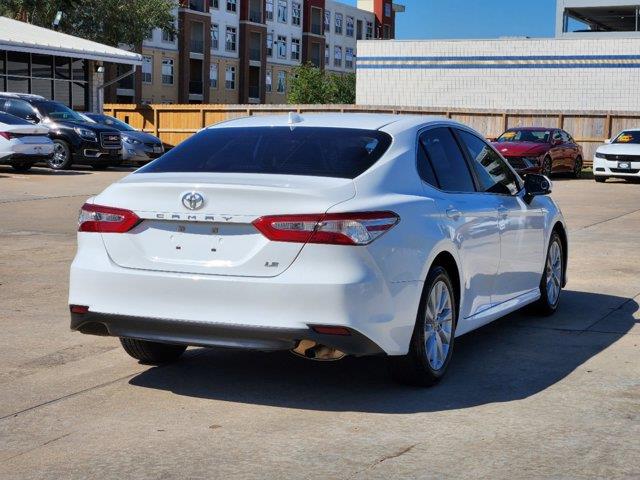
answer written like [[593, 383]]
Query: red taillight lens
[[7, 135], [98, 218], [331, 228], [78, 309], [330, 330]]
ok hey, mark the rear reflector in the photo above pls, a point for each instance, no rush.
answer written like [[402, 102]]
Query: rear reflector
[[98, 218], [329, 330], [78, 308], [359, 228]]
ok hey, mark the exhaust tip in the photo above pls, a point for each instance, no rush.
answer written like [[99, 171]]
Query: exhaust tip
[[314, 351]]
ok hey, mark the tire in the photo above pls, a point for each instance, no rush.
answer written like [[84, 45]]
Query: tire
[[547, 167], [600, 178], [417, 367], [552, 277], [152, 352], [577, 168], [61, 159], [22, 167]]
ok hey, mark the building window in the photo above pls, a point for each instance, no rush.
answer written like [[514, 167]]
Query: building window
[[316, 21], [230, 78], [327, 21], [386, 29], [268, 81], [338, 24], [167, 71], [214, 4], [282, 81], [282, 11], [337, 56], [215, 35], [327, 55], [230, 40], [269, 10], [387, 9], [168, 36], [269, 44], [315, 55], [147, 69], [295, 49], [232, 5], [369, 35], [296, 13], [349, 26], [213, 75], [282, 46], [348, 57]]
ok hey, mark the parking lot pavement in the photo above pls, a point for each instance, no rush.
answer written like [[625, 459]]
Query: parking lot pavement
[[526, 397]]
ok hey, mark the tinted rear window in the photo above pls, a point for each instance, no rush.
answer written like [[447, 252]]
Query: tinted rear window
[[320, 152], [12, 120]]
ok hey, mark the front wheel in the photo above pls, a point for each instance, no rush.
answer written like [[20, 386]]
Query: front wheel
[[61, 158], [577, 168], [547, 167], [152, 352], [433, 336], [600, 178], [552, 277]]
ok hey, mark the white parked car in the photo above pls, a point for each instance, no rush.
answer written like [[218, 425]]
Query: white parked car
[[619, 157], [22, 144], [326, 234]]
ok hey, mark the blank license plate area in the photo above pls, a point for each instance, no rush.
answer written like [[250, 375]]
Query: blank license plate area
[[199, 243]]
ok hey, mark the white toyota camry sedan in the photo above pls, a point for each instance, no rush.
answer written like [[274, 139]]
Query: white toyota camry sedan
[[325, 234], [619, 158]]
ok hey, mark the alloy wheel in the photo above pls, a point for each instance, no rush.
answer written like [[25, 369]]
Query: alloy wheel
[[546, 167], [554, 273], [59, 156], [438, 325]]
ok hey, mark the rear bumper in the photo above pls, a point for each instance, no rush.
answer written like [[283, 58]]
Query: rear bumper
[[326, 285], [24, 159], [208, 334]]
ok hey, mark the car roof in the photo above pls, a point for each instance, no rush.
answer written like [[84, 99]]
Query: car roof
[[28, 97], [365, 121]]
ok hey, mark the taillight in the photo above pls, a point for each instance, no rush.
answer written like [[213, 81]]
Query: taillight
[[7, 135], [98, 218], [330, 228]]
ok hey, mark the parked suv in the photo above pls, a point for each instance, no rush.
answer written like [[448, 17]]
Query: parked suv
[[76, 141]]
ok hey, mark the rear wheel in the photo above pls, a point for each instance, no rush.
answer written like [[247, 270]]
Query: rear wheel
[[22, 167], [600, 178], [61, 158], [577, 168], [552, 277], [152, 352], [433, 337]]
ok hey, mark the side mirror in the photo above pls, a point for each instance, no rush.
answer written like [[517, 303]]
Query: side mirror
[[32, 117], [534, 185], [607, 141], [556, 141]]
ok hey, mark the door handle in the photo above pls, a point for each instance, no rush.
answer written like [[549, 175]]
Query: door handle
[[453, 213]]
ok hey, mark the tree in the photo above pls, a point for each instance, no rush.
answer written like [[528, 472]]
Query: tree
[[113, 22], [310, 85]]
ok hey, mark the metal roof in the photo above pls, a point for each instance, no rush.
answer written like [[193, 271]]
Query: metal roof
[[24, 37]]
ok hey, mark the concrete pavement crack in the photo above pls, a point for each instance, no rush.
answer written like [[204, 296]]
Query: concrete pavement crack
[[383, 459], [605, 221]]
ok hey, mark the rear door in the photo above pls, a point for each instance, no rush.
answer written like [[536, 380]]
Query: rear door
[[521, 226], [469, 217]]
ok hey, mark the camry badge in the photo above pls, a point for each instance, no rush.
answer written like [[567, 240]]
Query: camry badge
[[193, 200]]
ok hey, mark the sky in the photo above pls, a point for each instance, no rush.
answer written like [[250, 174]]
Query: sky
[[474, 18]]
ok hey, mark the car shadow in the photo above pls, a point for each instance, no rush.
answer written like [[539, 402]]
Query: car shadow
[[510, 359]]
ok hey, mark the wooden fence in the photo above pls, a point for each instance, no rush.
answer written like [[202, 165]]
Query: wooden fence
[[174, 123]]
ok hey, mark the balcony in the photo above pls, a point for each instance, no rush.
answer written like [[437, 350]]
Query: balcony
[[195, 87], [255, 11], [255, 47], [197, 46], [197, 5]]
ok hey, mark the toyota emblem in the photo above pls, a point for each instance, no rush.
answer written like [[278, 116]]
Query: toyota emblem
[[193, 200]]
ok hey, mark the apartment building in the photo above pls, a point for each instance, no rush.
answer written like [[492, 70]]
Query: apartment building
[[245, 51]]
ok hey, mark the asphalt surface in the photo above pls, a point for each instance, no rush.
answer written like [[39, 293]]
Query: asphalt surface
[[526, 397]]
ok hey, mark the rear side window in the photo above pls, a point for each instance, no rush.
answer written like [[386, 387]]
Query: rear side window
[[19, 108], [447, 160], [313, 151], [12, 120]]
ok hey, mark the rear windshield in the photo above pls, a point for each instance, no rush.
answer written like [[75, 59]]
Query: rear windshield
[[535, 136], [313, 151], [12, 120]]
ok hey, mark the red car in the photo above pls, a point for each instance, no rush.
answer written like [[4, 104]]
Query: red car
[[540, 150]]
